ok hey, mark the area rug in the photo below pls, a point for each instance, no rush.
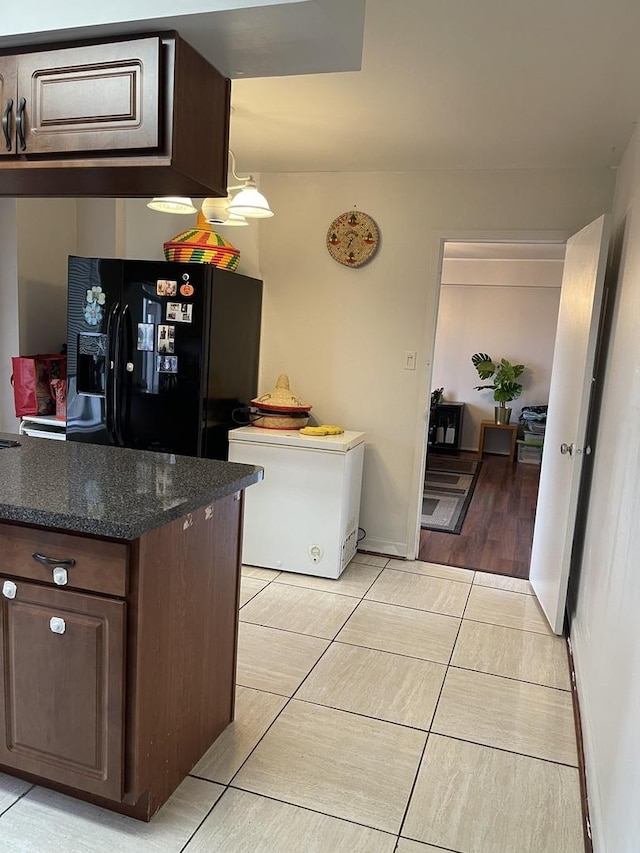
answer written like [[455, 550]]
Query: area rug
[[448, 489]]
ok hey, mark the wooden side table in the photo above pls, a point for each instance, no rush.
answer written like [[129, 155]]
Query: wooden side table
[[513, 428]]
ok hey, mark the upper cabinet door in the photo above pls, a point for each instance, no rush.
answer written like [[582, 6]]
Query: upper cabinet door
[[8, 77], [91, 98]]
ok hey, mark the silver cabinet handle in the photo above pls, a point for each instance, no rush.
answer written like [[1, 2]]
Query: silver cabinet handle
[[129, 367], [57, 625], [9, 589], [60, 576]]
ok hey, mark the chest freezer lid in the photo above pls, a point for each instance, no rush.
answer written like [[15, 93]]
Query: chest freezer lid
[[292, 438]]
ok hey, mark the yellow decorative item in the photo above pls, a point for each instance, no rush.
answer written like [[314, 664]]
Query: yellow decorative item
[[202, 245], [325, 429]]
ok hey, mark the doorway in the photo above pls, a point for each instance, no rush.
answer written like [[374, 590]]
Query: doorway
[[499, 297]]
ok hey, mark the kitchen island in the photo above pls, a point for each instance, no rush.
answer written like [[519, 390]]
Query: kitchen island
[[120, 575]]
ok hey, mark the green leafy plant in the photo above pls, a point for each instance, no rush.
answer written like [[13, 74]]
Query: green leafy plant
[[504, 375]]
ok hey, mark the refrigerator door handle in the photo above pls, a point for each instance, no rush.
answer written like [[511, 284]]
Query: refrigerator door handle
[[117, 377], [125, 365], [110, 395]]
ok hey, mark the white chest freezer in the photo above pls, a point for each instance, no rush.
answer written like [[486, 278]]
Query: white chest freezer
[[303, 516]]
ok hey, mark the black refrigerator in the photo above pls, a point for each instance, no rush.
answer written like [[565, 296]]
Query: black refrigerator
[[159, 355]]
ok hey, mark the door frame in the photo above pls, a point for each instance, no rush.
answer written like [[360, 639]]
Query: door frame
[[434, 277]]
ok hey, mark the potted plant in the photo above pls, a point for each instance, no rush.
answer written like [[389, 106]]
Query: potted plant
[[504, 386]]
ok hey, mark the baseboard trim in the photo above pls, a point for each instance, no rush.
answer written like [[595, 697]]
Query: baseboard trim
[[582, 773], [383, 547]]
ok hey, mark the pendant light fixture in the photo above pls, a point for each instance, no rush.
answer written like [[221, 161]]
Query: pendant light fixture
[[216, 212], [172, 204], [248, 203]]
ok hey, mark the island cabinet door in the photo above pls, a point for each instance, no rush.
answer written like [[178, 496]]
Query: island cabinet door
[[61, 691]]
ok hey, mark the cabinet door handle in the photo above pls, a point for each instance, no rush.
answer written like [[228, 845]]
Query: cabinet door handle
[[53, 561], [20, 123], [6, 123], [57, 625]]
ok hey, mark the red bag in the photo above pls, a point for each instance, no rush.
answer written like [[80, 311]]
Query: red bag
[[59, 388], [31, 380]]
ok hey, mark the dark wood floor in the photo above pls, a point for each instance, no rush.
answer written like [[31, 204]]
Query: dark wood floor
[[498, 529]]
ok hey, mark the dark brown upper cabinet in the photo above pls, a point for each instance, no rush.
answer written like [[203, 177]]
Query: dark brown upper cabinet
[[133, 117]]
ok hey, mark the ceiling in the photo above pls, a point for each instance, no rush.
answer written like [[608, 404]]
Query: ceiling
[[457, 84], [397, 85]]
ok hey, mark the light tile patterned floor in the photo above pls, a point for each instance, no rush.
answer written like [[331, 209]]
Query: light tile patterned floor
[[404, 708]]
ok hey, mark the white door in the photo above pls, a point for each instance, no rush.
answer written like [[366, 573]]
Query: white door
[[565, 436]]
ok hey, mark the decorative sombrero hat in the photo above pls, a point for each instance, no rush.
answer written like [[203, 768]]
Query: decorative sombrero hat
[[202, 245], [280, 409], [281, 399]]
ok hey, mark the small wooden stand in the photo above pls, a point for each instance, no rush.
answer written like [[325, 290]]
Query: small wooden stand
[[485, 425]]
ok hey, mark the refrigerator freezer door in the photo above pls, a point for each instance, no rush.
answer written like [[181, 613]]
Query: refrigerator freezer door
[[234, 345], [93, 302]]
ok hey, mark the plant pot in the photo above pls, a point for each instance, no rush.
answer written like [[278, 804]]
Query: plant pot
[[502, 414]]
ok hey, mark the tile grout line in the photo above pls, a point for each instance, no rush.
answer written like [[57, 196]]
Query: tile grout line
[[360, 714], [333, 640], [433, 716], [198, 827], [309, 809], [290, 698], [503, 749], [509, 677], [386, 651], [17, 800], [436, 577], [510, 627]]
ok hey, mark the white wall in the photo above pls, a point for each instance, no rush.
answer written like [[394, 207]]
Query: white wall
[[36, 235], [46, 237], [604, 630], [100, 227], [341, 334], [512, 321]]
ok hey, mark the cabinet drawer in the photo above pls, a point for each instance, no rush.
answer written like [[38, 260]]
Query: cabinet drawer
[[99, 566]]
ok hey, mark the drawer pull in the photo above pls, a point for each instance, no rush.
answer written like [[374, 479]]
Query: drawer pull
[[9, 589], [57, 625], [53, 561]]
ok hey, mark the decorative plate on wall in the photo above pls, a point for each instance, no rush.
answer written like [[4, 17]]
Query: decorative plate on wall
[[352, 238]]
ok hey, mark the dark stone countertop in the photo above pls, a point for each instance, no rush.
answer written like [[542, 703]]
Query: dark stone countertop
[[108, 491]]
